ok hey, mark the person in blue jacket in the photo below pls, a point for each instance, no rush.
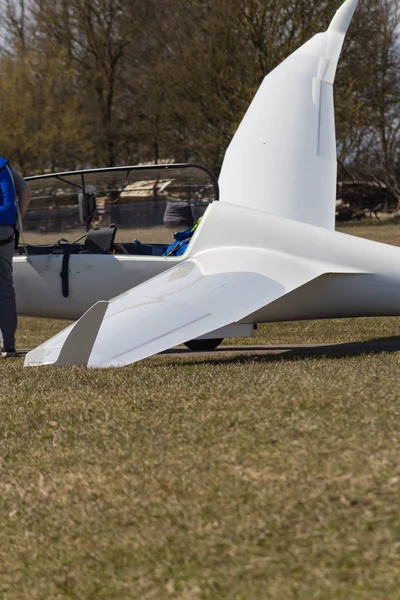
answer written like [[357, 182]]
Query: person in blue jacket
[[179, 216], [182, 241], [10, 186]]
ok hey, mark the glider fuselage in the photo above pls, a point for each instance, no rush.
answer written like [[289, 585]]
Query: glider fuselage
[[92, 277], [346, 276]]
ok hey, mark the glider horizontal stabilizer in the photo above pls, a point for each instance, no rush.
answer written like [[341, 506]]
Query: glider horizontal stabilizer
[[181, 304], [190, 300]]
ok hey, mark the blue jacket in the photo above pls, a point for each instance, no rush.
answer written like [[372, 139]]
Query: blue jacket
[[8, 200], [182, 240]]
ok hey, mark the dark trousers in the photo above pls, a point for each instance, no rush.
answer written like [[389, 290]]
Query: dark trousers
[[8, 309]]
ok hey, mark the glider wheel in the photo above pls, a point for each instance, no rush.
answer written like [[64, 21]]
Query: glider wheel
[[203, 345]]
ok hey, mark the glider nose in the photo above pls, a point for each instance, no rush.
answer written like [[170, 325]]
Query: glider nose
[[342, 19]]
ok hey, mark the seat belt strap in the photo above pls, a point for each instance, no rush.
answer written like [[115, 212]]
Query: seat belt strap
[[65, 271]]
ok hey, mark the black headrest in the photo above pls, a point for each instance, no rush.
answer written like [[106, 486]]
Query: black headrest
[[100, 240]]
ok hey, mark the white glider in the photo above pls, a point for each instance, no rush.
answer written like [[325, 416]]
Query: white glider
[[267, 251]]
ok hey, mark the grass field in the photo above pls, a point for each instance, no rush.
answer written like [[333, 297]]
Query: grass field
[[220, 476]]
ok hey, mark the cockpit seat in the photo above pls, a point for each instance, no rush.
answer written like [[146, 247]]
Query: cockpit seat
[[100, 241]]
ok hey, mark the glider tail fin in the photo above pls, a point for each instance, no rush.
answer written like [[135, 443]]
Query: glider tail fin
[[282, 159]]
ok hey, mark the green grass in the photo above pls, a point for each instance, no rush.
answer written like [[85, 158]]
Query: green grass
[[220, 476]]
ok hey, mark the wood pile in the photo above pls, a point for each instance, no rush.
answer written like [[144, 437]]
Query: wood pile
[[358, 200]]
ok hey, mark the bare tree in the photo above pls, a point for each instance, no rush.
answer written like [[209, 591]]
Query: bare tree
[[95, 82]]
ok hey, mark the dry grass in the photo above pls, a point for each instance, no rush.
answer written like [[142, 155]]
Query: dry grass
[[380, 231], [262, 477]]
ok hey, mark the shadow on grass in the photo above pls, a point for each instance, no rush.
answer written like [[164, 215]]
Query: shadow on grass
[[287, 352]]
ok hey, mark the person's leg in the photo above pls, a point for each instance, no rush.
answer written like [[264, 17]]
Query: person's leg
[[8, 309]]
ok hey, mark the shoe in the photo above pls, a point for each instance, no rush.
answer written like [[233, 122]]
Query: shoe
[[8, 353]]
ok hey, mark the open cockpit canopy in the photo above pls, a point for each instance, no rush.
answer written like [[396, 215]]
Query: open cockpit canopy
[[134, 198]]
